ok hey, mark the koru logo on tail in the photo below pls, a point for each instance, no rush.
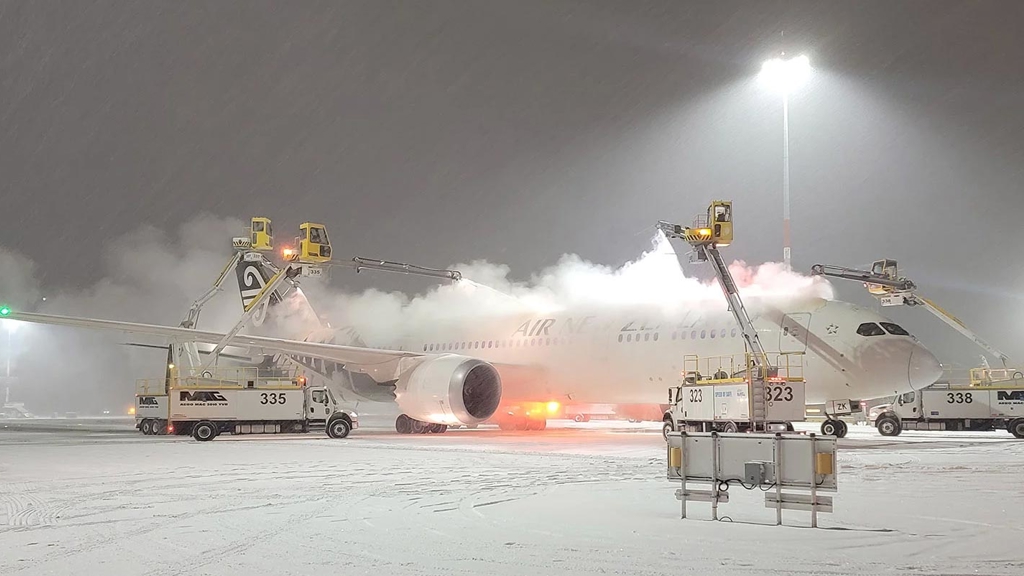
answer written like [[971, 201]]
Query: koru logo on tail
[[252, 282]]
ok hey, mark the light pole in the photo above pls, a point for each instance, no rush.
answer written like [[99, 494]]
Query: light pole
[[11, 326], [785, 76]]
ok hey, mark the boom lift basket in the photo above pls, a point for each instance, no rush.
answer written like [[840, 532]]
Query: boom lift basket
[[314, 245], [261, 234]]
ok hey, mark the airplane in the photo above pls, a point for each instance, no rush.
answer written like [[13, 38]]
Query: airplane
[[509, 368]]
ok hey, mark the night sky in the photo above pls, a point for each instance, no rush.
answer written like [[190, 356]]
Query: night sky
[[443, 132]]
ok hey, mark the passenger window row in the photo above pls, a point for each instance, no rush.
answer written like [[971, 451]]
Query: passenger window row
[[479, 344], [682, 335]]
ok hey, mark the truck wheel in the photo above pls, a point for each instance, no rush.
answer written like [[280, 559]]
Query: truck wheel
[[888, 426], [157, 427], [338, 428], [666, 428], [1016, 428], [204, 431], [730, 427], [578, 418], [145, 428]]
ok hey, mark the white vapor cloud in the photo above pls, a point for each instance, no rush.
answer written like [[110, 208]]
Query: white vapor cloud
[[153, 277]]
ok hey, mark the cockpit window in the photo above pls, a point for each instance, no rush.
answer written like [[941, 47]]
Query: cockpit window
[[894, 329], [870, 329]]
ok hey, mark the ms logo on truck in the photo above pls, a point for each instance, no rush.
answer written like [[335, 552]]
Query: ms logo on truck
[[147, 401], [1015, 396], [202, 396]]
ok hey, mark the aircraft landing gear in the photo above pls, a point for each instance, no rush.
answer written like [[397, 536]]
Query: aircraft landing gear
[[835, 428], [406, 425]]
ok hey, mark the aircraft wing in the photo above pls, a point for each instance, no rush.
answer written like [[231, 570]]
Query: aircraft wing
[[381, 365]]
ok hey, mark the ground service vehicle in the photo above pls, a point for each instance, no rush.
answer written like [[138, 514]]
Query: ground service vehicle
[[724, 401], [758, 372], [942, 407], [207, 406]]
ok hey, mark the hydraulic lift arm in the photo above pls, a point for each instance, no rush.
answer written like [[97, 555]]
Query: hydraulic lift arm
[[192, 318], [705, 242], [250, 309], [884, 282], [360, 264], [957, 325]]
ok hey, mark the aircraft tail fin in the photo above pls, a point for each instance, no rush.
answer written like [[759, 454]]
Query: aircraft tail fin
[[287, 301]]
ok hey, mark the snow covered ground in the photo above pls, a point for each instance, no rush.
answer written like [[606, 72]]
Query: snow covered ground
[[576, 499]]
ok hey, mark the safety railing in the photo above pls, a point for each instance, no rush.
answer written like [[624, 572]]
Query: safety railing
[[228, 378], [789, 366], [151, 386], [990, 376]]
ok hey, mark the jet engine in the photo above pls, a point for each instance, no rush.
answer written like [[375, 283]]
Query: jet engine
[[449, 389]]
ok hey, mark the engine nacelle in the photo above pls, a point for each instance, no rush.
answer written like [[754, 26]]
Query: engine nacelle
[[450, 389]]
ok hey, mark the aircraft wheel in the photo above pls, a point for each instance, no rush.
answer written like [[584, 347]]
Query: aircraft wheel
[[1016, 428], [843, 429], [204, 431], [403, 424], [145, 428], [418, 427], [888, 426], [830, 428]]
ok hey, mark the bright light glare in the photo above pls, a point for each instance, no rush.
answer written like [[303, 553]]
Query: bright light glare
[[553, 407], [10, 325], [786, 75]]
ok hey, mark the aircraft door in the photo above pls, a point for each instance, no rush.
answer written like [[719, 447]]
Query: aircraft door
[[793, 332]]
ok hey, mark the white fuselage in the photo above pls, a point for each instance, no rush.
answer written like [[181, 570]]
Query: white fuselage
[[631, 355]]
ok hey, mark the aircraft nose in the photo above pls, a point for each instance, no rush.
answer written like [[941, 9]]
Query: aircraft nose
[[924, 368]]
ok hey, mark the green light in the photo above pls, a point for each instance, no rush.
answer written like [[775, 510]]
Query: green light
[[5, 311]]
